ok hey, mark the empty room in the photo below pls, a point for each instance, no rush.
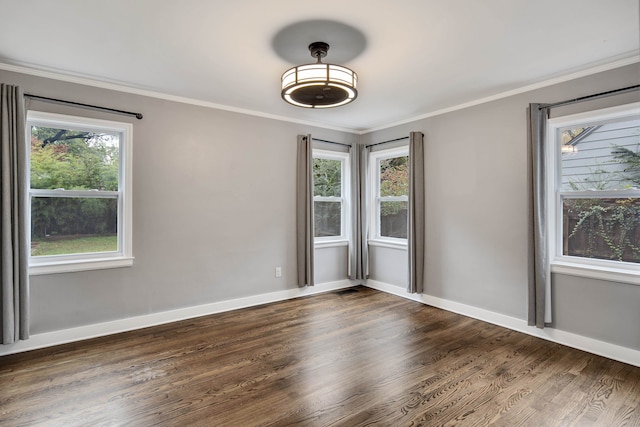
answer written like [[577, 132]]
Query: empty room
[[251, 213]]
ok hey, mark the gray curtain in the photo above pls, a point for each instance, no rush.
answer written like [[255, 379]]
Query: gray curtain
[[539, 274], [416, 215], [359, 249], [13, 205], [304, 211]]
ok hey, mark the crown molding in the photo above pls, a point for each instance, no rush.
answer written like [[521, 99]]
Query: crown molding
[[528, 88], [54, 75]]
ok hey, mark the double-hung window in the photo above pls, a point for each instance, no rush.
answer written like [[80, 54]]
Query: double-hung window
[[80, 193], [330, 201], [594, 193], [389, 195]]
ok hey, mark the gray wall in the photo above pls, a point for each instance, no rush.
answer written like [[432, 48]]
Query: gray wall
[[476, 230], [213, 211], [389, 265], [214, 198], [331, 264]]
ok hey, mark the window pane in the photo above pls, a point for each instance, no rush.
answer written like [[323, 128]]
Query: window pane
[[393, 219], [61, 225], [328, 219], [602, 157], [327, 178], [602, 228], [394, 176], [73, 160]]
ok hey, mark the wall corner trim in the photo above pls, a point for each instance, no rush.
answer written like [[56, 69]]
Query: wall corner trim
[[580, 342], [49, 339]]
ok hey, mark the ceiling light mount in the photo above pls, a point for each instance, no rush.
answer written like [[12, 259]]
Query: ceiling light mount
[[319, 85], [318, 50]]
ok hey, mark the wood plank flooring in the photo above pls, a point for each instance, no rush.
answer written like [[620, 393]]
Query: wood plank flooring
[[348, 358]]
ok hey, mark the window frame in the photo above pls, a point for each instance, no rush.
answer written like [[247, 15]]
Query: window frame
[[618, 271], [123, 256], [343, 238], [375, 157]]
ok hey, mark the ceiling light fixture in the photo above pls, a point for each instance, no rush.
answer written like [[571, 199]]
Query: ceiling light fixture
[[319, 85]]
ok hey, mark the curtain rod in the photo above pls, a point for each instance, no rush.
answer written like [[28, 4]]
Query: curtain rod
[[79, 104], [330, 142], [588, 97], [386, 142]]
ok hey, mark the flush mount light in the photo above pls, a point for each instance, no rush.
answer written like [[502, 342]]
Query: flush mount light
[[319, 85]]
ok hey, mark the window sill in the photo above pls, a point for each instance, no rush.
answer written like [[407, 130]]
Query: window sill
[[54, 267], [620, 275], [330, 244], [400, 244]]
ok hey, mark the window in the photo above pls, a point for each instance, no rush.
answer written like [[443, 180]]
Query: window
[[594, 193], [330, 180], [80, 193], [390, 195]]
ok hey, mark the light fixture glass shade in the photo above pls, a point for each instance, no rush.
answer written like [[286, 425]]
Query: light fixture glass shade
[[319, 85]]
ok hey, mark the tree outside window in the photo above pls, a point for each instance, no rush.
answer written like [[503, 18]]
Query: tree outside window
[[394, 192], [68, 160], [80, 201], [329, 188], [389, 178]]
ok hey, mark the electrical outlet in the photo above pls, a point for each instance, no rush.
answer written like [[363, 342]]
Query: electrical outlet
[[278, 272]]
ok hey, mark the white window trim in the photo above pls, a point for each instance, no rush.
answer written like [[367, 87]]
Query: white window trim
[[330, 244], [616, 271], [400, 244], [343, 239], [82, 262], [374, 190]]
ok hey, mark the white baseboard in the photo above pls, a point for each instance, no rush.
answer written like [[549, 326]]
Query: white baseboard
[[48, 339], [601, 348], [80, 333]]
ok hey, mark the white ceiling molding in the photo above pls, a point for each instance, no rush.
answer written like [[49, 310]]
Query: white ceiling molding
[[152, 94], [54, 75], [517, 91]]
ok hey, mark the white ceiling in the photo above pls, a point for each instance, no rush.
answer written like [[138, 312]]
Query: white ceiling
[[413, 57]]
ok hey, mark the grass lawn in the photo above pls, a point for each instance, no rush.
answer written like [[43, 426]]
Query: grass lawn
[[74, 245]]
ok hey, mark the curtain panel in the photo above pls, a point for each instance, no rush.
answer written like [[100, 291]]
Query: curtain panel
[[416, 214], [304, 212], [358, 246], [539, 277], [14, 296]]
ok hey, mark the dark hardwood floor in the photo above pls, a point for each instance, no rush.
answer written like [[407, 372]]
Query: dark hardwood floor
[[349, 358]]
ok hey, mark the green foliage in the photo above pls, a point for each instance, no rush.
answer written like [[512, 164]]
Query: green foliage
[[327, 175], [73, 160], [394, 181], [52, 216], [327, 182], [609, 228], [394, 176], [614, 222], [631, 160], [74, 245]]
